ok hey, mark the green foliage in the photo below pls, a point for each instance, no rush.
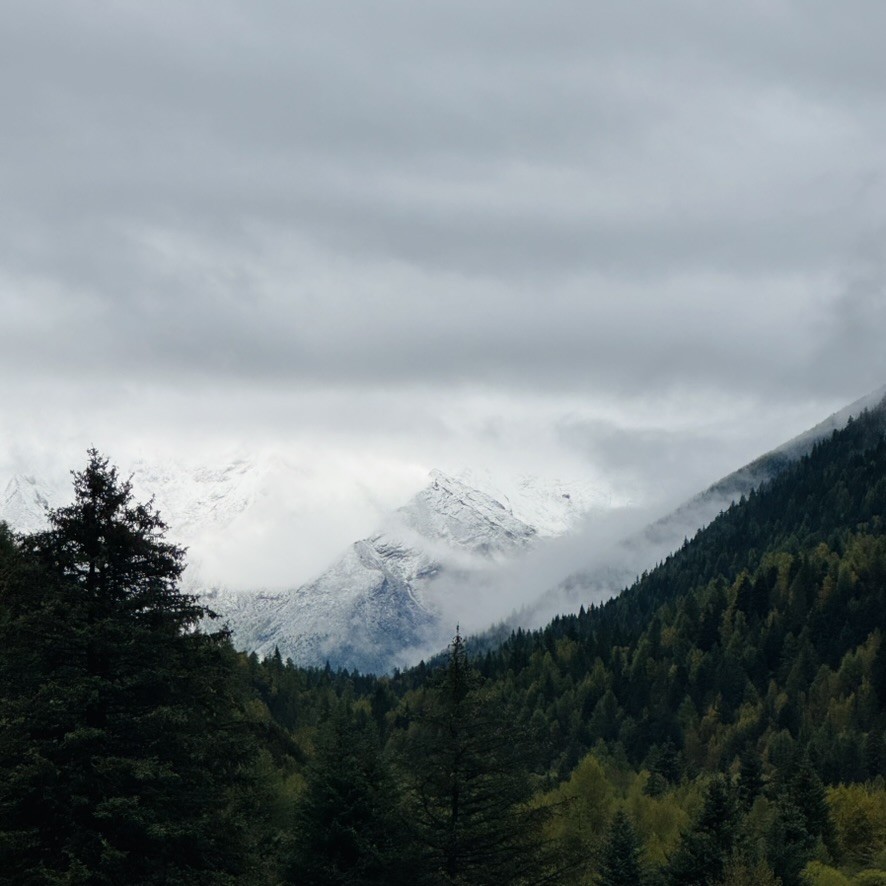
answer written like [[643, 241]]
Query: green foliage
[[620, 862], [586, 802], [805, 790], [347, 826], [817, 874], [859, 814], [706, 848], [790, 845], [743, 873], [465, 764]]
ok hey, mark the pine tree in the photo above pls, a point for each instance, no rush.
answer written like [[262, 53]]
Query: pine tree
[[802, 819], [706, 848], [348, 829], [123, 740], [620, 860], [807, 791], [790, 845], [750, 777], [468, 786]]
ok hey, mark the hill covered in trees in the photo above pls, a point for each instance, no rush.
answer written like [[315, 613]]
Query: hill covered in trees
[[722, 721]]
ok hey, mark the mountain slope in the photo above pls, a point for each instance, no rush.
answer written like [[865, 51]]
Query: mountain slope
[[617, 566], [385, 603], [762, 633], [24, 502]]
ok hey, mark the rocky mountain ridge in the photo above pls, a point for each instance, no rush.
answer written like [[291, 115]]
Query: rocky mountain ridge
[[384, 600]]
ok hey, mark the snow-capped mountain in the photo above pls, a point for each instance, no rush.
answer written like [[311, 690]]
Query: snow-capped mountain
[[25, 500], [553, 507], [198, 499], [386, 598]]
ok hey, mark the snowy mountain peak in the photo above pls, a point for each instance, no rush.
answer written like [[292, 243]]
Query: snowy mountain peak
[[25, 501], [464, 518], [553, 506], [395, 591]]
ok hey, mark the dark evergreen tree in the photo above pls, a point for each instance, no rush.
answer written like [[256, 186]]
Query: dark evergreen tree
[[663, 763], [790, 845], [800, 787], [620, 862], [348, 830], [123, 741], [705, 849], [874, 752], [750, 777], [468, 785]]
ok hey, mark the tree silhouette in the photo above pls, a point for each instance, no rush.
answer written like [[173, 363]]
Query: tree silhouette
[[123, 740], [620, 858], [469, 788]]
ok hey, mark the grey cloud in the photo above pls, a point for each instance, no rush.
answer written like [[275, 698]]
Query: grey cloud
[[851, 334], [635, 244], [567, 196], [660, 465]]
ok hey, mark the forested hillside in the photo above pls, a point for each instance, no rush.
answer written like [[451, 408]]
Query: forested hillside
[[723, 721]]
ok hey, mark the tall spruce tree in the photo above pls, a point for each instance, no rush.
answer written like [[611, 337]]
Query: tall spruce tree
[[706, 848], [620, 859], [123, 741], [469, 786], [348, 830]]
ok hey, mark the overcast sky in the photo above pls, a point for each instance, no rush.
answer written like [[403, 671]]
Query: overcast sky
[[640, 242]]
